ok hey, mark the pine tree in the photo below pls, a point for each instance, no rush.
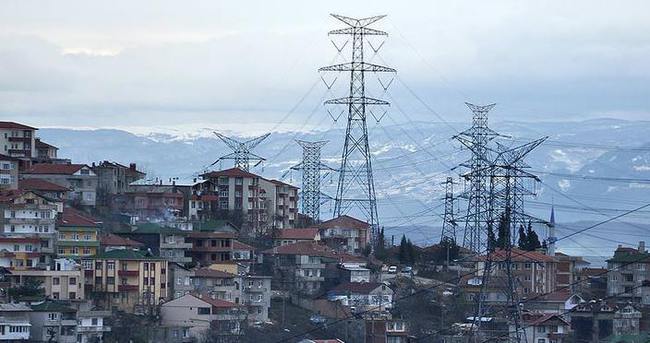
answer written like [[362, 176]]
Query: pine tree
[[410, 252], [503, 231], [380, 249], [491, 240], [403, 249], [533, 239], [523, 239]]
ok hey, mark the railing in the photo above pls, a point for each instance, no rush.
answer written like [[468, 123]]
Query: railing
[[127, 288], [128, 272], [81, 328]]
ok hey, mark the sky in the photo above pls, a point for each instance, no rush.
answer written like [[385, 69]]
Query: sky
[[146, 64]]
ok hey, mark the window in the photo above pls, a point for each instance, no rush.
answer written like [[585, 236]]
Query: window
[[110, 280], [213, 243], [87, 264], [56, 281], [203, 310], [75, 250], [541, 329], [16, 247], [52, 316], [62, 235], [94, 321], [72, 281], [72, 295], [55, 295], [75, 236], [87, 237], [110, 265], [86, 251], [28, 247], [98, 280]]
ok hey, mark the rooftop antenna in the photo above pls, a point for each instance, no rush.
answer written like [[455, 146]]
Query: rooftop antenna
[[242, 151]]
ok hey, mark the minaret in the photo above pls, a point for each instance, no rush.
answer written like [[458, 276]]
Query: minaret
[[551, 233]]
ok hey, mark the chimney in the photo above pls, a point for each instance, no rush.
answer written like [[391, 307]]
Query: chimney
[[132, 166], [642, 246]]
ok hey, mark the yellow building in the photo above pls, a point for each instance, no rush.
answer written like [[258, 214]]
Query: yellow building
[[78, 235], [126, 279]]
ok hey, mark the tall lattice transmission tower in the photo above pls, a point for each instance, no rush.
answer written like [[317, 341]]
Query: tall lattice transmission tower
[[449, 218], [356, 187], [242, 152], [311, 167]]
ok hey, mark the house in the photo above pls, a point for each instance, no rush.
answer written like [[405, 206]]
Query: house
[[109, 241], [79, 178], [256, 296], [544, 328], [150, 202], [19, 253], [128, 280], [626, 321], [64, 282], [627, 270], [558, 302], [78, 234], [211, 247], [354, 274], [290, 236], [17, 140], [345, 233], [115, 178], [204, 315], [363, 296], [217, 284], [174, 246], [568, 271], [592, 321], [14, 322], [242, 252], [383, 330], [92, 325], [45, 152], [8, 172], [53, 321], [30, 214], [47, 189]]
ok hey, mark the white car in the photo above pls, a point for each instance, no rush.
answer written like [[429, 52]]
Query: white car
[[392, 270]]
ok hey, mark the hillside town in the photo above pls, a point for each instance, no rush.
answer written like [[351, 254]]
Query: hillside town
[[95, 253]]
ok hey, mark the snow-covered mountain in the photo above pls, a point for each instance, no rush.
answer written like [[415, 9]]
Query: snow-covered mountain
[[590, 170]]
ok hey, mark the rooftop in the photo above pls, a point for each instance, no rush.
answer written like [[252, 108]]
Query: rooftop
[[59, 169], [110, 239], [40, 185], [299, 234], [206, 272], [125, 254], [345, 221], [357, 287], [52, 306], [232, 172], [40, 144], [72, 217], [308, 248], [519, 255], [13, 125]]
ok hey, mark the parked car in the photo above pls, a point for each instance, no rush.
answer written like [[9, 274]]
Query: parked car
[[407, 270], [317, 319], [392, 270]]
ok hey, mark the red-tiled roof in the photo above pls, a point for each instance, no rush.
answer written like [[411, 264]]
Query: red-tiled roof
[[299, 234], [40, 185], [72, 217], [10, 195], [215, 302], [13, 125], [357, 287], [538, 319], [40, 144], [212, 273], [47, 168], [308, 248], [19, 239], [110, 239], [8, 158], [237, 245], [519, 255], [345, 221], [232, 172], [280, 183], [207, 234]]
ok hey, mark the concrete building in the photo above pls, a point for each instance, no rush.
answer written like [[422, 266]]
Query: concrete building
[[14, 322], [127, 280], [345, 233], [17, 140], [30, 214], [65, 284], [204, 315], [544, 328], [568, 271], [44, 151], [363, 296], [211, 247], [627, 270], [290, 236], [78, 234], [109, 241], [20, 253], [52, 321], [48, 189], [354, 274], [8, 172], [115, 178], [256, 296], [91, 325], [150, 202], [174, 246], [79, 178]]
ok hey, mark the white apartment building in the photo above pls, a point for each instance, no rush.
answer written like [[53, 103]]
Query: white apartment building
[[8, 172], [79, 178], [17, 140]]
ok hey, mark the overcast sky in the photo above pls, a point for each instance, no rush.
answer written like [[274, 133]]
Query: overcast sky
[[174, 63]]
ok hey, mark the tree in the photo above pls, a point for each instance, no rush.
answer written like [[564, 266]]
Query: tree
[[503, 231], [403, 249], [30, 288], [380, 249], [523, 239], [491, 240], [533, 239], [410, 252]]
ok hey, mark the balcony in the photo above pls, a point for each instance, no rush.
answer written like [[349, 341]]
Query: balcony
[[255, 289], [19, 152], [21, 139], [90, 329], [128, 272], [126, 288], [68, 322], [88, 273], [182, 245]]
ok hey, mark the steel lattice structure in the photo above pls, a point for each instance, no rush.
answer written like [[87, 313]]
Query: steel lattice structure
[[449, 218], [311, 167], [356, 188], [242, 151]]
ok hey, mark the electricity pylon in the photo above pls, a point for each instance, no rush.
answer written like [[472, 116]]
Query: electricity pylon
[[449, 218], [242, 151], [356, 187], [311, 167]]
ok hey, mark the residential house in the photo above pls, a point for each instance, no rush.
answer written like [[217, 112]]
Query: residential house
[[47, 189], [627, 270], [363, 296], [14, 322], [17, 140], [354, 274], [92, 325], [53, 321], [544, 328], [19, 253], [115, 178], [79, 178], [568, 271], [128, 280], [78, 234], [150, 202], [256, 296], [8, 172], [242, 253], [27, 214], [626, 321], [204, 315], [290, 236], [592, 321], [211, 247], [558, 302], [64, 282], [345, 233], [385, 330], [109, 241], [174, 246], [218, 284], [45, 152]]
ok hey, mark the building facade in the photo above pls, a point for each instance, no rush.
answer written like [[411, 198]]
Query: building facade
[[8, 172], [627, 270], [78, 178], [17, 140], [78, 234], [345, 233]]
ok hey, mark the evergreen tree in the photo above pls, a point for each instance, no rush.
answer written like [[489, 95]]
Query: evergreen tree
[[410, 252], [403, 247], [533, 239], [380, 249], [503, 231], [523, 239], [491, 240]]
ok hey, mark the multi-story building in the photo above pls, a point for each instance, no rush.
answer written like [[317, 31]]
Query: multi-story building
[[65, 282], [290, 236], [115, 178], [150, 202], [627, 270], [173, 245], [217, 284], [18, 253], [544, 328], [79, 178], [265, 204], [46, 188], [211, 247], [109, 241], [52, 321], [8, 172], [256, 295], [129, 280], [45, 152], [17, 140], [14, 322], [345, 233], [568, 271], [78, 234], [91, 325], [363, 296], [30, 214]]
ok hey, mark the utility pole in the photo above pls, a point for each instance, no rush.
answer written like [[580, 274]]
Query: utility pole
[[241, 151], [356, 186], [449, 218], [311, 167]]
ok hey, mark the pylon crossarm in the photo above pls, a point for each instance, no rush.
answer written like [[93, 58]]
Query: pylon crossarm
[[358, 66]]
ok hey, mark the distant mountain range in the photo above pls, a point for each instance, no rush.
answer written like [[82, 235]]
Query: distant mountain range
[[590, 170]]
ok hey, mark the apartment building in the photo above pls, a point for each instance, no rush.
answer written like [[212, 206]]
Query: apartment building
[[211, 247], [18, 253], [265, 204], [627, 270], [46, 188], [150, 202], [45, 151], [8, 172], [345, 233], [128, 280], [174, 246], [78, 234], [115, 178], [79, 178], [14, 322], [30, 214], [17, 140], [64, 282], [568, 271], [53, 321], [544, 328], [290, 236], [256, 296], [363, 296]]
